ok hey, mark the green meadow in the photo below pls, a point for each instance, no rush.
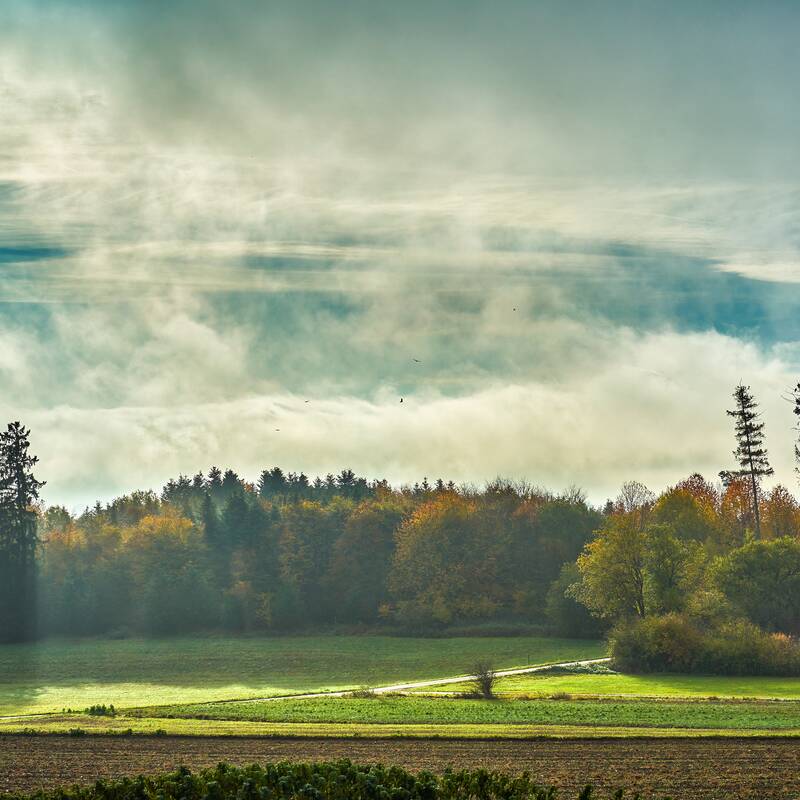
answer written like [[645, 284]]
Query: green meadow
[[51, 676], [416, 710], [657, 685]]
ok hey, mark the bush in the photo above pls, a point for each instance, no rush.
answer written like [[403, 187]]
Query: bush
[[676, 643], [483, 681], [102, 711]]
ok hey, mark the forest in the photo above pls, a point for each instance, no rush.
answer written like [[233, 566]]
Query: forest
[[701, 577]]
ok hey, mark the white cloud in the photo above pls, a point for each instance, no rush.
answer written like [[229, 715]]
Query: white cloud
[[646, 412]]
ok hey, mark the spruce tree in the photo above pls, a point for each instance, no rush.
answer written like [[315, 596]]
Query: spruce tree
[[750, 452], [19, 490]]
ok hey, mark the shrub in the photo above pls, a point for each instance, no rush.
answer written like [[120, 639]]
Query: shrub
[[364, 693], [483, 681], [102, 711], [676, 643]]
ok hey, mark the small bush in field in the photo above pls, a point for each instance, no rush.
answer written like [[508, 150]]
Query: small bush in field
[[102, 711], [483, 681], [364, 693]]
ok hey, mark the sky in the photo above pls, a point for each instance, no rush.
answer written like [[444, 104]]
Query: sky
[[238, 233]]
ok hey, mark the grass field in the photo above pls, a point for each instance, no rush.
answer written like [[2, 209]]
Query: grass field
[[53, 675], [416, 710], [128, 727], [647, 686]]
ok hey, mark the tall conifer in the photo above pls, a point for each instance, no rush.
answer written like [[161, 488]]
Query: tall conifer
[[750, 452]]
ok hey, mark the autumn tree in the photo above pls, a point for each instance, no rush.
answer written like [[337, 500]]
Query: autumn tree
[[750, 452], [445, 566], [19, 490], [780, 514]]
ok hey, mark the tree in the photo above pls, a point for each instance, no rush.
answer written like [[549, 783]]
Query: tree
[[672, 569], [19, 490], [631, 572], [636, 500], [750, 452], [362, 556], [447, 563], [780, 514], [762, 579], [691, 517], [612, 569]]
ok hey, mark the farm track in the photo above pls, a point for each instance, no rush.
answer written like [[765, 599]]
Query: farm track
[[683, 768], [406, 687]]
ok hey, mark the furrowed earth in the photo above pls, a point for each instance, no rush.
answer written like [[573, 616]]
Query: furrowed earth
[[695, 769]]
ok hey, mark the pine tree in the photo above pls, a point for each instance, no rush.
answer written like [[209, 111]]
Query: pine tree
[[19, 490], [750, 452]]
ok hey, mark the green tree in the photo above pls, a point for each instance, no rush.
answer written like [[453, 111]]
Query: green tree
[[673, 568], [612, 568], [762, 580], [19, 490], [628, 571]]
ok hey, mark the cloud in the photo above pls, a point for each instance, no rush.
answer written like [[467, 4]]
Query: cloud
[[573, 221], [644, 412]]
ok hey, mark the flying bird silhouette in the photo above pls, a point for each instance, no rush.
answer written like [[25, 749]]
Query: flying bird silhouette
[[401, 399], [417, 360]]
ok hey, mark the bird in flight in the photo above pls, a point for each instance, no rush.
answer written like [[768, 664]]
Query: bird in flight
[[307, 401], [401, 399], [416, 360]]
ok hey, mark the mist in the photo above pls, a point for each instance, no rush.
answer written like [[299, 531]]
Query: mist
[[582, 223]]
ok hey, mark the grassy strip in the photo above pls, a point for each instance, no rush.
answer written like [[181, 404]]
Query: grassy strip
[[64, 724], [416, 710], [674, 686], [52, 675]]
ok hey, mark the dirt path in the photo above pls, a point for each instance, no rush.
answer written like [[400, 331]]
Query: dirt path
[[684, 768], [404, 687], [397, 687]]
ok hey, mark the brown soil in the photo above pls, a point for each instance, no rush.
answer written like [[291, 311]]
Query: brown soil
[[680, 768]]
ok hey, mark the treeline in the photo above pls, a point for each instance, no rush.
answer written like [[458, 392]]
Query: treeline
[[220, 553], [718, 563]]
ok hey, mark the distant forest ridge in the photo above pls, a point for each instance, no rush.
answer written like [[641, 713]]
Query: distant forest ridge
[[711, 569], [215, 551]]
